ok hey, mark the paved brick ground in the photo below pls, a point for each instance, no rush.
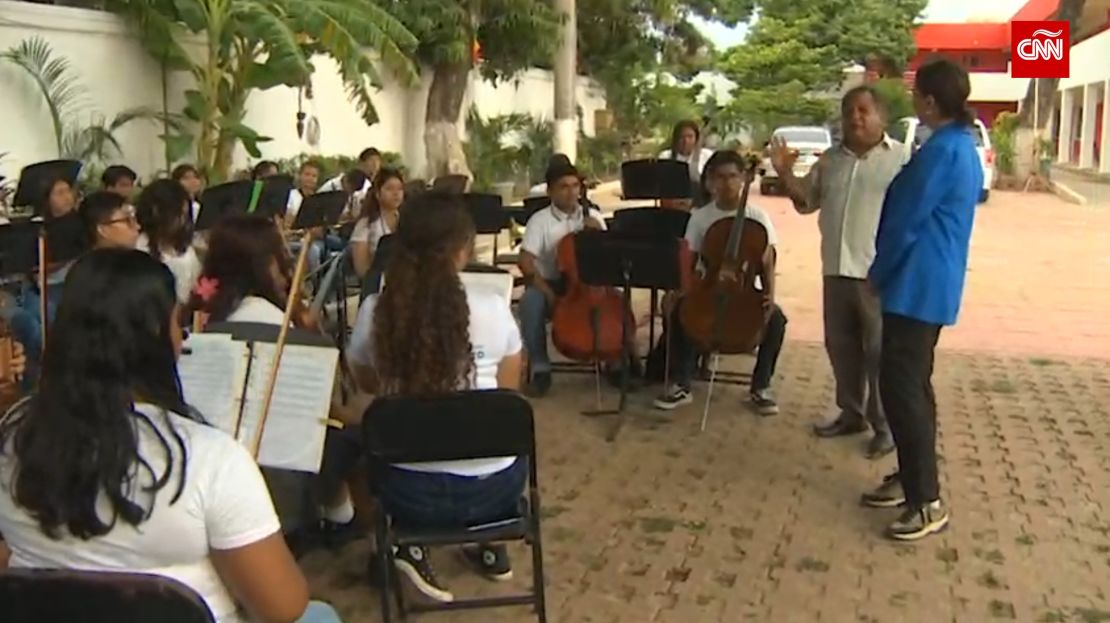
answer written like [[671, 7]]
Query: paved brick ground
[[756, 520]]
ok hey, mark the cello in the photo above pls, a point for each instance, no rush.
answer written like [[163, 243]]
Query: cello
[[723, 315], [587, 322]]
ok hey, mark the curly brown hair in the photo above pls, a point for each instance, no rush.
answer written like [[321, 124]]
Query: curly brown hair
[[421, 331]]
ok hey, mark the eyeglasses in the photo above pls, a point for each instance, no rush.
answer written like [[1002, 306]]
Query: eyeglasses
[[128, 217]]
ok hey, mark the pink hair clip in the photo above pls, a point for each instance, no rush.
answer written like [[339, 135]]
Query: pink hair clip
[[206, 288]]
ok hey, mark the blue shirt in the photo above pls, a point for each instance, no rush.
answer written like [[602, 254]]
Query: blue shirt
[[925, 229]]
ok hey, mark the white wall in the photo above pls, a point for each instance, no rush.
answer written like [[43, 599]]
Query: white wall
[[120, 75], [1090, 61]]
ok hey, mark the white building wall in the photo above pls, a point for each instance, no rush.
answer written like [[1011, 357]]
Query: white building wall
[[120, 74]]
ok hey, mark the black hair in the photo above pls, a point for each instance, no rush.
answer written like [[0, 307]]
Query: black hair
[[75, 441], [260, 170], [48, 189], [310, 164], [948, 84], [676, 133], [181, 170], [241, 251], [116, 173], [163, 214], [558, 172], [723, 158], [355, 179], [97, 208], [859, 91], [368, 153], [371, 209]]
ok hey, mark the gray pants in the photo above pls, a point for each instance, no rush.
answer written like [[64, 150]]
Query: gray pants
[[854, 339]]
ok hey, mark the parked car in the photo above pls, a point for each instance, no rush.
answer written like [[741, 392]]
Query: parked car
[[913, 134], [810, 141]]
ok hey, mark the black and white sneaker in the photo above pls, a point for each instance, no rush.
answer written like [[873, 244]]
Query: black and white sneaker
[[413, 562], [887, 495], [492, 561], [675, 397], [764, 403], [918, 523]]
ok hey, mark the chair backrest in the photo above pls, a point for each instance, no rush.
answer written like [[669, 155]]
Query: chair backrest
[[487, 212], [38, 595], [454, 184], [372, 283], [464, 425]]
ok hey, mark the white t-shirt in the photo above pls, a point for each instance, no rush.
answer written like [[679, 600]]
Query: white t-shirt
[[257, 309], [494, 335], [293, 204], [549, 226], [336, 183], [224, 505], [371, 233], [184, 266], [701, 219]]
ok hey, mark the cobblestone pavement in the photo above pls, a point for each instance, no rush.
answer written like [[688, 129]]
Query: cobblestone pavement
[[756, 520]]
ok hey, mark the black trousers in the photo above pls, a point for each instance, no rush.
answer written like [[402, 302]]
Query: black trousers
[[906, 388]]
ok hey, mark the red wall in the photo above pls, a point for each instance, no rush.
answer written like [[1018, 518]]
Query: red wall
[[989, 111], [971, 60]]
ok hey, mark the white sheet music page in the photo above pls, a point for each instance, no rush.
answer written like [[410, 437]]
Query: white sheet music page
[[293, 437], [213, 369]]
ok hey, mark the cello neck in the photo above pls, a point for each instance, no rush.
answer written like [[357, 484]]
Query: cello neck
[[736, 233]]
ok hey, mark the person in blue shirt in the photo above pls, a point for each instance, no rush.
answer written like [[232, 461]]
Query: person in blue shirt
[[920, 262]]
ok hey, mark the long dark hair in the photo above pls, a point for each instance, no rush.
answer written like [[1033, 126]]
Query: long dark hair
[[241, 250], [949, 86], [676, 134], [422, 319], [77, 437], [371, 207], [48, 191], [162, 211]]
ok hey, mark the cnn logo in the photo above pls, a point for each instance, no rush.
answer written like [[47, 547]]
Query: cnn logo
[[1040, 49]]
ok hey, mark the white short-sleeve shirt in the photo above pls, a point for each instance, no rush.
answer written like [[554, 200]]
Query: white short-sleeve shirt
[[494, 335], [546, 228], [257, 309], [185, 267], [370, 233], [224, 504]]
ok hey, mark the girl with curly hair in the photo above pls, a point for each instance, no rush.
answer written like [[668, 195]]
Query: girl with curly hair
[[425, 335]]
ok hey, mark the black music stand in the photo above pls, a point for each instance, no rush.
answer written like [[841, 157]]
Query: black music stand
[[35, 180], [19, 247], [607, 258], [488, 214], [320, 210], [656, 180], [217, 202], [274, 199]]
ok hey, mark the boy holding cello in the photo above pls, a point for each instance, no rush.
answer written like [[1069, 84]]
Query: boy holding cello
[[727, 176]]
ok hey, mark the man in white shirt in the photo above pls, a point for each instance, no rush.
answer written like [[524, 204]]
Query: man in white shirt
[[369, 162], [847, 186], [542, 234], [726, 171]]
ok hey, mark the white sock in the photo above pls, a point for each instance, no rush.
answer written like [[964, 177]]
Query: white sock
[[341, 513]]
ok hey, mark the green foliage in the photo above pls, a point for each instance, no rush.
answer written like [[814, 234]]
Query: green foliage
[[331, 166], [260, 44], [600, 156], [489, 149], [1003, 133], [79, 133], [899, 102]]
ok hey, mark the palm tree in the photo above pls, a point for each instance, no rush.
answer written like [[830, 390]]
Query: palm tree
[[244, 45], [78, 135]]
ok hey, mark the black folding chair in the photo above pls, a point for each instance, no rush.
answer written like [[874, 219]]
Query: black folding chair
[[466, 425], [38, 595]]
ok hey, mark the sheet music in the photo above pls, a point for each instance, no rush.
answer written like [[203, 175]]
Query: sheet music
[[213, 368], [294, 434], [500, 283]]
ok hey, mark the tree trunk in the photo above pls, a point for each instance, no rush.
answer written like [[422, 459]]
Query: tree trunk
[[1069, 10], [441, 122]]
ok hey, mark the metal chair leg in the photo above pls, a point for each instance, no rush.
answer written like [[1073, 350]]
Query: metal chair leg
[[537, 568], [384, 562]]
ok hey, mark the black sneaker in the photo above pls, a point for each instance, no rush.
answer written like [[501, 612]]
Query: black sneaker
[[676, 397], [918, 523], [764, 403], [413, 562], [539, 385], [887, 495], [336, 535], [492, 561]]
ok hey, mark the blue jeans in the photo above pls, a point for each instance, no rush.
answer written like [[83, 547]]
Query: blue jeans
[[319, 612], [684, 356], [440, 500], [534, 312]]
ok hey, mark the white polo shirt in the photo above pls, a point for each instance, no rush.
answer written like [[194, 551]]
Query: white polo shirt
[[848, 189], [546, 228]]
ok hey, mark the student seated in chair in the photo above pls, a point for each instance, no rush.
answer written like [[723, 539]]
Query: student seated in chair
[[423, 335], [110, 221], [163, 212], [381, 207], [545, 229], [725, 180], [107, 469]]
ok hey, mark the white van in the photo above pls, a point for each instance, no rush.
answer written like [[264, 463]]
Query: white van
[[810, 141], [913, 134]]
